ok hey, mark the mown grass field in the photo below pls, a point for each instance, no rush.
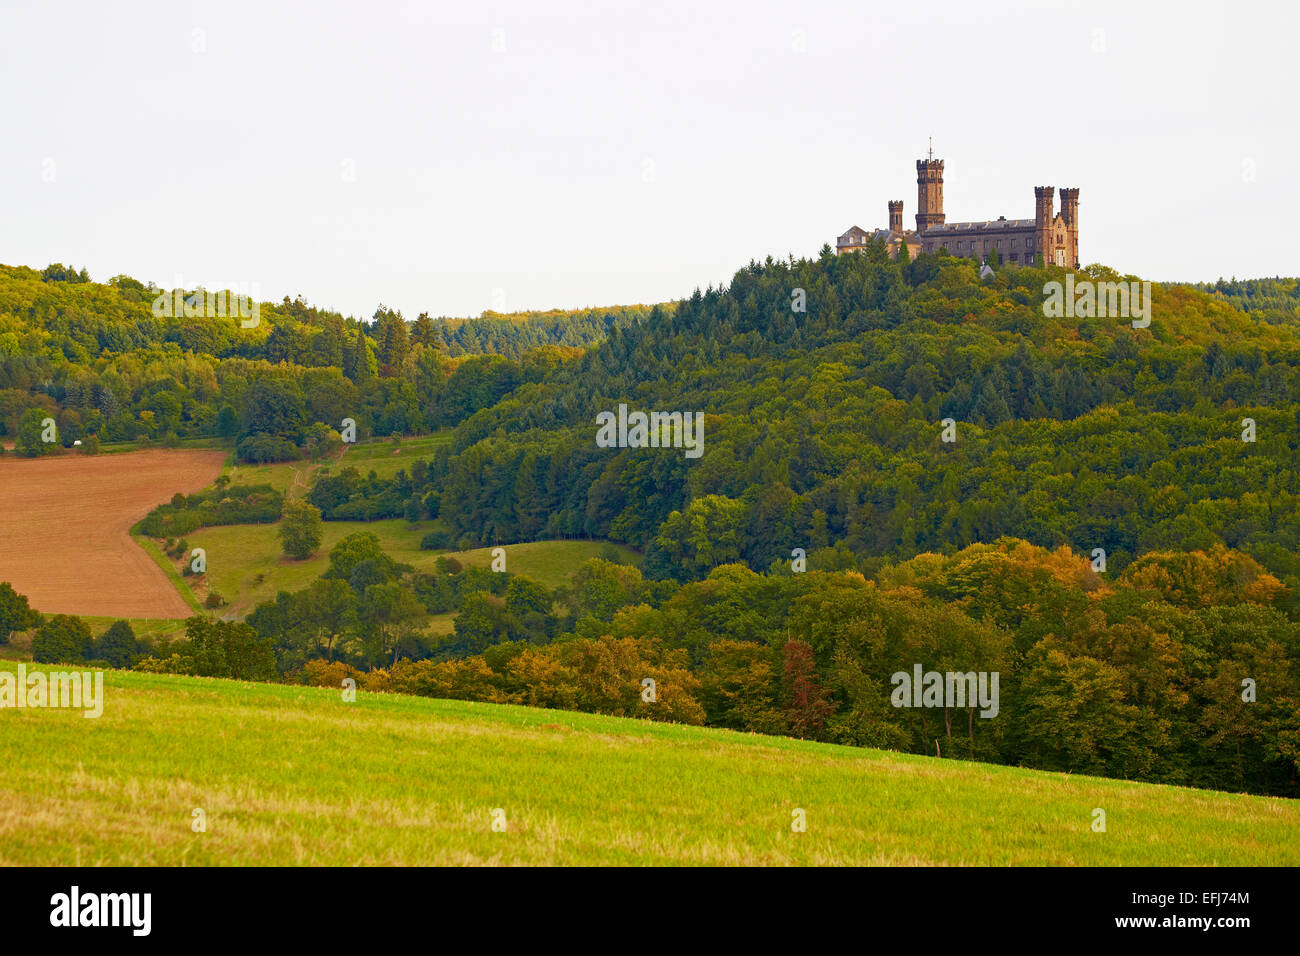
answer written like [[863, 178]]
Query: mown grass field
[[293, 775]]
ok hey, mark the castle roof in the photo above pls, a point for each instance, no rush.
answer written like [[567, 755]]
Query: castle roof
[[989, 225], [886, 235], [890, 235]]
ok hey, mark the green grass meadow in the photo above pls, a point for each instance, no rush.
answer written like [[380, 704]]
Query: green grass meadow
[[247, 566], [147, 628], [294, 775], [385, 459]]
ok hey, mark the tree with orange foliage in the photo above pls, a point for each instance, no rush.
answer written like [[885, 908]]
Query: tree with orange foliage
[[808, 704]]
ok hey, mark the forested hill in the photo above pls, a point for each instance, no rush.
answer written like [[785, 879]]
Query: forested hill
[[513, 334], [1272, 300], [822, 427], [98, 358], [84, 317]]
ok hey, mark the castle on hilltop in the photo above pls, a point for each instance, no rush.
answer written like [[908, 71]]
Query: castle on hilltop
[[1048, 237]]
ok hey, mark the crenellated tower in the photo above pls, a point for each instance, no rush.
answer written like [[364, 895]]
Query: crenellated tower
[[929, 193], [1070, 216], [1044, 200], [896, 215]]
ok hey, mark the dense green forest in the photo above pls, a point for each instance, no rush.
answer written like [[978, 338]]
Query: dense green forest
[[823, 427], [97, 358], [511, 335], [1274, 300]]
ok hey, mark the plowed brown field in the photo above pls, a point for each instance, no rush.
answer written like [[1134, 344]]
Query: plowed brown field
[[64, 524]]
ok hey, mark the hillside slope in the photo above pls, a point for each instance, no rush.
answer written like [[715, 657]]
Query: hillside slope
[[292, 775], [822, 428]]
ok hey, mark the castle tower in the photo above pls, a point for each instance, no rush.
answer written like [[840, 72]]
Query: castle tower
[[1044, 199], [929, 193], [1070, 215], [896, 215]]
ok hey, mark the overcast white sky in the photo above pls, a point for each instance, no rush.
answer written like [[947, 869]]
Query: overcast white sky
[[452, 158]]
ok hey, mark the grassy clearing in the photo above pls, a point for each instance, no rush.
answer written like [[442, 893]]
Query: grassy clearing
[[246, 565], [441, 624], [385, 459], [118, 447], [292, 775], [147, 629], [552, 563], [294, 478]]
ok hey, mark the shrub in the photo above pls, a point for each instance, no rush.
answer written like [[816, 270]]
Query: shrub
[[301, 530], [15, 613], [320, 673], [261, 448], [435, 541], [118, 646], [218, 649], [62, 639], [222, 505]]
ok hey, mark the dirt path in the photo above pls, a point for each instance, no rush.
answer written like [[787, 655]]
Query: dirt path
[[299, 482], [65, 522]]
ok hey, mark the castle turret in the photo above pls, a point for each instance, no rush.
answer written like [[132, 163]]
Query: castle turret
[[896, 215], [1044, 199], [929, 193], [1070, 216]]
